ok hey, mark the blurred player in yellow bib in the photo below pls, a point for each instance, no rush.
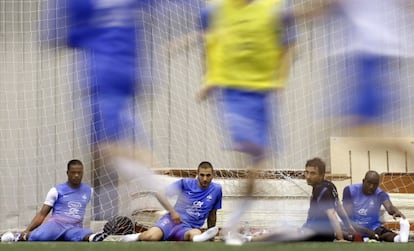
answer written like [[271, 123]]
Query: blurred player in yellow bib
[[248, 45]]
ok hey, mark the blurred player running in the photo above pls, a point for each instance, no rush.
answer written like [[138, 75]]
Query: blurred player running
[[248, 57], [106, 30]]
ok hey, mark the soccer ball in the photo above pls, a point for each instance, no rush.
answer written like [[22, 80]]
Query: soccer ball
[[7, 237]]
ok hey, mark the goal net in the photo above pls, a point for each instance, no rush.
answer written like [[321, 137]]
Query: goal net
[[45, 117]]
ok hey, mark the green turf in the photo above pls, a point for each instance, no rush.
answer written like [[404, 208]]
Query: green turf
[[213, 246]]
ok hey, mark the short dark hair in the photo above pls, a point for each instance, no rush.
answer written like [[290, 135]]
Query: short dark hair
[[205, 164], [318, 163], [73, 163]]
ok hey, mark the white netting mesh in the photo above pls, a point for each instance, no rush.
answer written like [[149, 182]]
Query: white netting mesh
[[44, 122]]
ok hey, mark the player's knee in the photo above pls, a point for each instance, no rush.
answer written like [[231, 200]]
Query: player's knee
[[189, 235], [34, 236]]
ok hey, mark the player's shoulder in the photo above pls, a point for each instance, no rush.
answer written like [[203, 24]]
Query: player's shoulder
[[380, 191], [216, 185], [215, 190], [61, 185], [187, 180], [327, 183], [356, 186], [86, 186], [323, 186], [185, 183]]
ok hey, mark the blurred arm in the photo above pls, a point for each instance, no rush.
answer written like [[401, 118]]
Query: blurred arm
[[331, 213], [175, 216], [312, 8]]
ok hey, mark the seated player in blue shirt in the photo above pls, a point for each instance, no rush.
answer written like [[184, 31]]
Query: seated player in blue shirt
[[363, 202], [68, 202], [198, 201]]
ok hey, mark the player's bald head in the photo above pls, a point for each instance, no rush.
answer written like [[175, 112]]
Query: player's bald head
[[372, 176]]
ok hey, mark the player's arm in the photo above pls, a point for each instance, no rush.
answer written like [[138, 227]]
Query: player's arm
[[392, 210], [336, 225], [329, 204], [171, 190], [206, 14], [345, 217], [389, 207], [312, 8], [345, 209], [40, 217], [288, 53], [212, 218], [352, 226], [175, 216]]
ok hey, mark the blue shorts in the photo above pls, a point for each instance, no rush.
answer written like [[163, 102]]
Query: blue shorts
[[245, 115], [171, 231], [54, 231], [112, 94], [372, 81]]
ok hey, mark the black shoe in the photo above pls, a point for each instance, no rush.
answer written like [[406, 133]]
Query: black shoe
[[100, 236]]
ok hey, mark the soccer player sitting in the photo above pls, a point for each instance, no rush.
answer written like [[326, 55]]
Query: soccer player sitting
[[198, 200], [68, 201], [363, 203], [322, 223]]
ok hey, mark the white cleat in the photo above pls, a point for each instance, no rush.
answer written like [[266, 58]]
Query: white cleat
[[207, 235], [130, 237]]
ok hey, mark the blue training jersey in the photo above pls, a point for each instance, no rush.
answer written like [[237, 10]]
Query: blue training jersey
[[365, 208], [195, 203], [91, 23], [106, 30], [71, 203]]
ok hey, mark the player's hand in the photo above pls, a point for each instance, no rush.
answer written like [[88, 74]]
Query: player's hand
[[175, 217], [373, 236], [398, 214], [24, 235], [204, 92]]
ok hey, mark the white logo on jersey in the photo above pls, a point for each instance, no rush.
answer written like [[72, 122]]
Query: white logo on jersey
[[363, 211], [194, 210], [73, 209]]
